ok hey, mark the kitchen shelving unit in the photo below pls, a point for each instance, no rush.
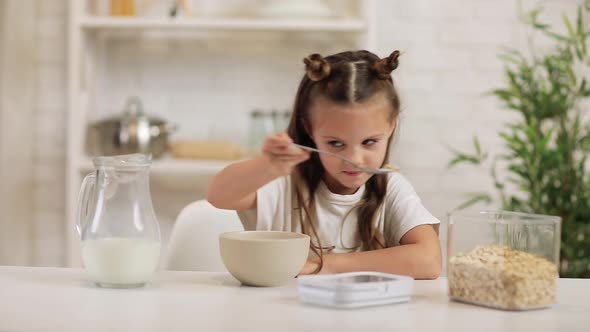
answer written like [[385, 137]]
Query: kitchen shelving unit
[[86, 33]]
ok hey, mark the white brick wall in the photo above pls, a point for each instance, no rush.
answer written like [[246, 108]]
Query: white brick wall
[[448, 62]]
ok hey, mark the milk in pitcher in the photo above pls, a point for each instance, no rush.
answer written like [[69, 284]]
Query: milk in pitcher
[[120, 262]]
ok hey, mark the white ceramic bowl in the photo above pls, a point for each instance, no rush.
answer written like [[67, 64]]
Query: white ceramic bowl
[[264, 258]]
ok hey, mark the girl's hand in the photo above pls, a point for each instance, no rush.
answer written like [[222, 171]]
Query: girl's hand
[[312, 264], [281, 155]]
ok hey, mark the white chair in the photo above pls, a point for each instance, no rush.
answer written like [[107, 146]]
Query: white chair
[[194, 241]]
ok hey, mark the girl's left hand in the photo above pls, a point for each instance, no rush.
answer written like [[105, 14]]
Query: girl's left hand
[[313, 264]]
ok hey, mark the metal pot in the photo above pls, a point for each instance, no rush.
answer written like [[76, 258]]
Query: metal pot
[[132, 132]]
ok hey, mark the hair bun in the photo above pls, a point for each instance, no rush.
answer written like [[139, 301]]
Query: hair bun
[[316, 67], [384, 67]]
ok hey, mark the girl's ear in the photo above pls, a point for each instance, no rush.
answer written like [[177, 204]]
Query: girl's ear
[[307, 129], [392, 126]]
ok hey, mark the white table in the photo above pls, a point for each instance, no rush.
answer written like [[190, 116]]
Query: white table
[[58, 299]]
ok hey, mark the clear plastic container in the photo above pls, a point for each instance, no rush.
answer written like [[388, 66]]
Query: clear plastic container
[[502, 259]]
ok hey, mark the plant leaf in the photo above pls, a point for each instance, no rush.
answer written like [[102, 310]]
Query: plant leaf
[[475, 198], [568, 25], [476, 145], [462, 158]]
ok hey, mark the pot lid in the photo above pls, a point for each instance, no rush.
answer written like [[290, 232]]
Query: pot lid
[[132, 113]]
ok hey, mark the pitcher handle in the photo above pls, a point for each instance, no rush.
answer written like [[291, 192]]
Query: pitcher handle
[[87, 184]]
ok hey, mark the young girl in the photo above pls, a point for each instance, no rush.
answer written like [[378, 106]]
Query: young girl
[[346, 104]]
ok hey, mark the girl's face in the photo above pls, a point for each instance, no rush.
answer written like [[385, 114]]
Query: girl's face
[[359, 132]]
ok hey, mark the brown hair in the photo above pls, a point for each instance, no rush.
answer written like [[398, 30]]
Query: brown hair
[[343, 78]]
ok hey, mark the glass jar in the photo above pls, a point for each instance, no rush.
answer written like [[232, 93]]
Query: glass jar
[[281, 120], [261, 125], [502, 259]]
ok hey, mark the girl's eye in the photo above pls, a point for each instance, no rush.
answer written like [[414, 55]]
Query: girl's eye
[[369, 141], [335, 144]]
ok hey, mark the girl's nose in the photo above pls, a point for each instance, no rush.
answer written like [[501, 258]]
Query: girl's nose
[[355, 154]]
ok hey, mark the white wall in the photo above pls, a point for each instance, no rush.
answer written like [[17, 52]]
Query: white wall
[[448, 62], [50, 129], [17, 113]]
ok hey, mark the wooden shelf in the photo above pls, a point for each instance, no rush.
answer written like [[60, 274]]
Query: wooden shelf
[[175, 166], [328, 25]]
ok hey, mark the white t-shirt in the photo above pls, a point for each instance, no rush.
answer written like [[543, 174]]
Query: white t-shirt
[[401, 211]]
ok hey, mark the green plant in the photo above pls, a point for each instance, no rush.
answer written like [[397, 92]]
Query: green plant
[[545, 164]]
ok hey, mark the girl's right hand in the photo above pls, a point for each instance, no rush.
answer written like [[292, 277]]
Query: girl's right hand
[[281, 155]]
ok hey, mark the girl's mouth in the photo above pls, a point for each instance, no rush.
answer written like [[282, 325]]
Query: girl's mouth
[[352, 173]]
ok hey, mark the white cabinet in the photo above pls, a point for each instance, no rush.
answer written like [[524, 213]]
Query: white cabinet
[[205, 73]]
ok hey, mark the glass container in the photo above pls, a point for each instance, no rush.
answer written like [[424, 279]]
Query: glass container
[[503, 259]]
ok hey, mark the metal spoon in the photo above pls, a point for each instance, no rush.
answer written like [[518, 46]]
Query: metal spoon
[[383, 170]]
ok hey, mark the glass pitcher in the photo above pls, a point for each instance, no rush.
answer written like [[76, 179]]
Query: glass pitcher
[[116, 222]]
